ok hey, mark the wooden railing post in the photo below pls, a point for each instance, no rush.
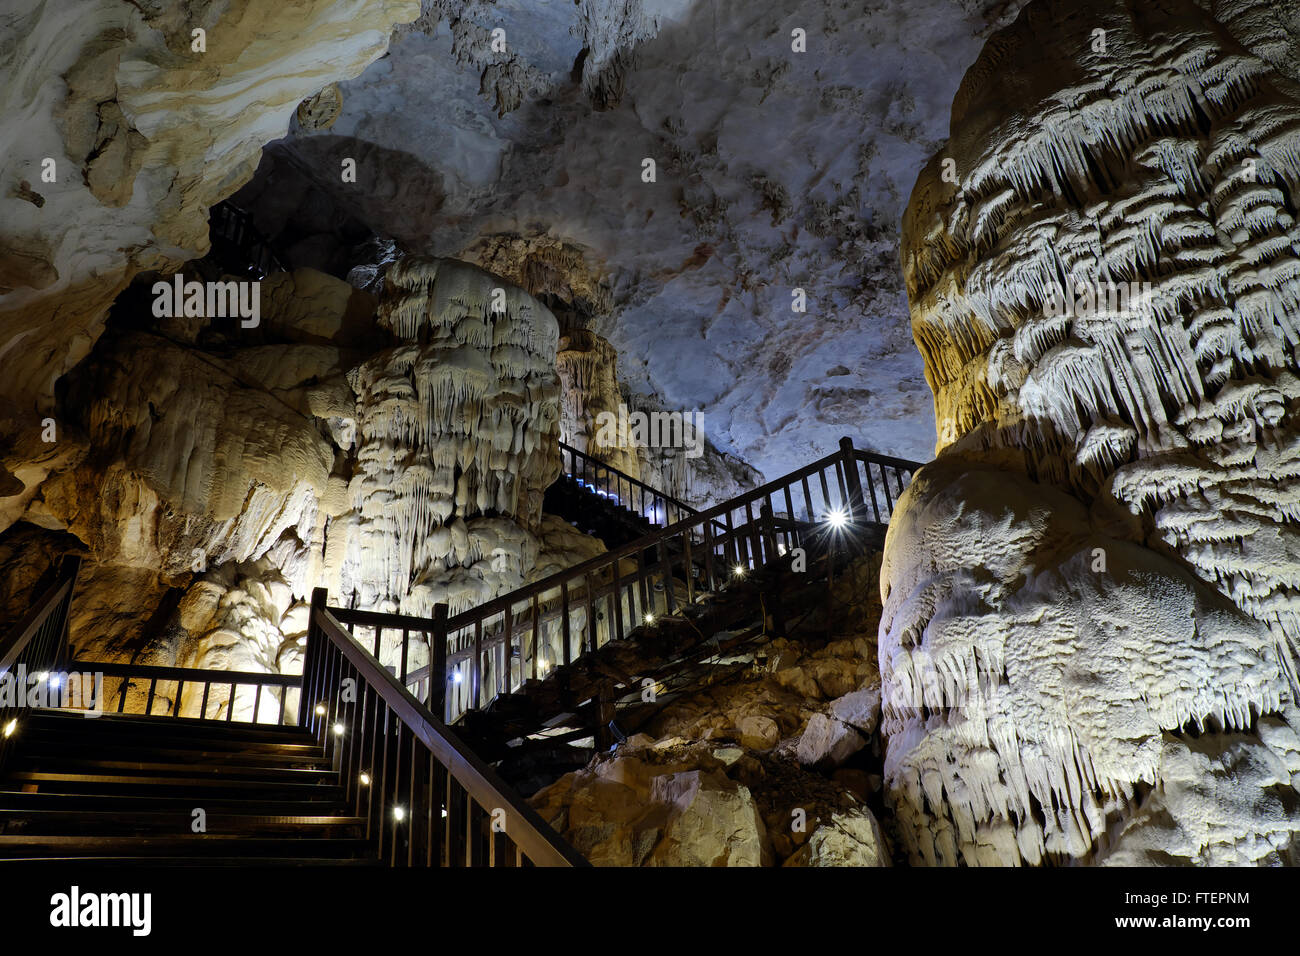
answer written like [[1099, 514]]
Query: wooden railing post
[[856, 504], [438, 671], [68, 569], [778, 574], [306, 696], [605, 712]]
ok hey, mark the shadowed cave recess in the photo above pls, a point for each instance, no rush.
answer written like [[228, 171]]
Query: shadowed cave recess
[[420, 305]]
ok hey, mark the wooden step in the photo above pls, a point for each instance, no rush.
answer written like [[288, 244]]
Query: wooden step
[[247, 803], [39, 736], [199, 788], [187, 845], [99, 766], [176, 755], [138, 725], [23, 822], [164, 861]]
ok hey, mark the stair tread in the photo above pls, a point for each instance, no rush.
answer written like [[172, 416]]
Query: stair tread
[[169, 817], [190, 728], [19, 802], [191, 845], [54, 763], [212, 861], [19, 839], [217, 782], [36, 739], [178, 755]]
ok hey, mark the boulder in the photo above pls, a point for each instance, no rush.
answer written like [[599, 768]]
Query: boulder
[[713, 821], [827, 742], [852, 838], [760, 733], [859, 709]]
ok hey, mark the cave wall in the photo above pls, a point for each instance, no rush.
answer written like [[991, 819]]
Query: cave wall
[[776, 170], [145, 133]]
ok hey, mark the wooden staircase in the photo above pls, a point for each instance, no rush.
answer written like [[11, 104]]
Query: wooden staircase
[[134, 789], [354, 761], [593, 513], [213, 767], [536, 679]]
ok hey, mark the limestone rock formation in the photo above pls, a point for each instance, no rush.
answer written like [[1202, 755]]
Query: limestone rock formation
[[121, 127], [718, 777], [219, 474], [674, 802], [199, 449], [776, 170], [588, 369], [1092, 597], [457, 431]]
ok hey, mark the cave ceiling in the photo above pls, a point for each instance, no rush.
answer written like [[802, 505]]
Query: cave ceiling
[[774, 171]]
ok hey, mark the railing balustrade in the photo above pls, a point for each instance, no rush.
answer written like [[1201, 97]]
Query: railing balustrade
[[658, 507], [34, 649], [242, 697], [492, 649], [428, 800]]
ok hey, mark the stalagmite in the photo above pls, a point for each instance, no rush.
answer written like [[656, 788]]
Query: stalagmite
[[457, 430], [1093, 595]]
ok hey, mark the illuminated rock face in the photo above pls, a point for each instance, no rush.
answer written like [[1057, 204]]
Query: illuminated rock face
[[587, 365], [218, 463], [398, 460], [1093, 596], [457, 432], [118, 134]]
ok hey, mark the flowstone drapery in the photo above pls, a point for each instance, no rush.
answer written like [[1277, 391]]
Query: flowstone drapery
[[1093, 596], [587, 365], [457, 431]]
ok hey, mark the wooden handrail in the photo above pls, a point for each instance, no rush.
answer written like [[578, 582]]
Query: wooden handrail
[[708, 545], [596, 463], [641, 544], [533, 837], [194, 674], [38, 642], [22, 633]]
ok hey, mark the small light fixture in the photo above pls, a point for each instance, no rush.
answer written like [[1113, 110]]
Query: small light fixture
[[11, 727], [649, 618], [399, 814], [54, 682], [320, 710], [338, 730], [455, 676], [444, 813], [837, 519], [365, 779], [739, 571]]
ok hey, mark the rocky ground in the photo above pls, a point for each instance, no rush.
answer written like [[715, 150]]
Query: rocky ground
[[779, 766]]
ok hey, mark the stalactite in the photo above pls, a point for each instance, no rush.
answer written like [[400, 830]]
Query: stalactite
[[458, 426], [1168, 164]]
